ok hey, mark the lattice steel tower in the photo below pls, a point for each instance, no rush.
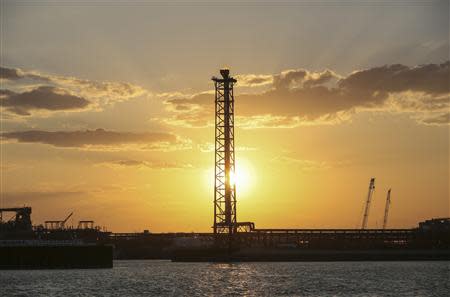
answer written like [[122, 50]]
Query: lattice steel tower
[[224, 187]]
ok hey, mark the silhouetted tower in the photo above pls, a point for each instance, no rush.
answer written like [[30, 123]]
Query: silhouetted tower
[[369, 198], [224, 189], [386, 208]]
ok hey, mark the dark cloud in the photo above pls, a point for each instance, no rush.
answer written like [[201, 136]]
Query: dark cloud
[[98, 139], [430, 79], [9, 73], [320, 79], [146, 164], [62, 92], [287, 78], [300, 96], [42, 98]]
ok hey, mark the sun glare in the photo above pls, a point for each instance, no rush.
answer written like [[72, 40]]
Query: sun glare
[[240, 178], [243, 178]]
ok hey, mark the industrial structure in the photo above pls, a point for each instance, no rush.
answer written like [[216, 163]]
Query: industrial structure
[[86, 224], [224, 190], [386, 208], [19, 226], [20, 221], [367, 203], [57, 224], [225, 223]]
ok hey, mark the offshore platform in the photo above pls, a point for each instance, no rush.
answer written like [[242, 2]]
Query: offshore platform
[[233, 240]]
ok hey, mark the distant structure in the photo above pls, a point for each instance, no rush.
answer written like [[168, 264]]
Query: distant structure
[[85, 225], [224, 189], [367, 207], [386, 208], [57, 224], [21, 220]]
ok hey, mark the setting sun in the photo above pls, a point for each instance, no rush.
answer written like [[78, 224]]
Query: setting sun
[[244, 178], [241, 178]]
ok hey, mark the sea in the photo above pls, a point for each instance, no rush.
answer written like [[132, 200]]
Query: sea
[[164, 278]]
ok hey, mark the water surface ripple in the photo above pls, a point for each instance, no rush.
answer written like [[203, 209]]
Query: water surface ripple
[[163, 278]]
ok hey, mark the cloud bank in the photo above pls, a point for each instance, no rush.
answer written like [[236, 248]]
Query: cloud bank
[[41, 98], [301, 97], [9, 73], [91, 95], [100, 139], [143, 164]]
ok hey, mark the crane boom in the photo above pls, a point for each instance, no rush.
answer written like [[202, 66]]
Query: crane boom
[[367, 207], [386, 208], [68, 217], [63, 223]]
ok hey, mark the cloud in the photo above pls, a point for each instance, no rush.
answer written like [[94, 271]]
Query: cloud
[[319, 78], [429, 79], [271, 121], [142, 164], [101, 139], [254, 80], [9, 73], [208, 147], [308, 164], [41, 98], [301, 97], [26, 197], [98, 93], [439, 119], [302, 164], [194, 111]]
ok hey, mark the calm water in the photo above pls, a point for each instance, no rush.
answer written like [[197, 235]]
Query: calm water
[[163, 278]]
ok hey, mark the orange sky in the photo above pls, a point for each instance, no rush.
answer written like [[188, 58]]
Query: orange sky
[[113, 120]]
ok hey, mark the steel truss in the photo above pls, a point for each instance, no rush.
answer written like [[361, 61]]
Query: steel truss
[[224, 188]]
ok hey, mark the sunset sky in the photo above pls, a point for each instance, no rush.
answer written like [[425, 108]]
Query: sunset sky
[[108, 111]]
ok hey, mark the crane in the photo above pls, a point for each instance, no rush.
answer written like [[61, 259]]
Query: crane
[[386, 208], [57, 224], [369, 198], [63, 223]]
